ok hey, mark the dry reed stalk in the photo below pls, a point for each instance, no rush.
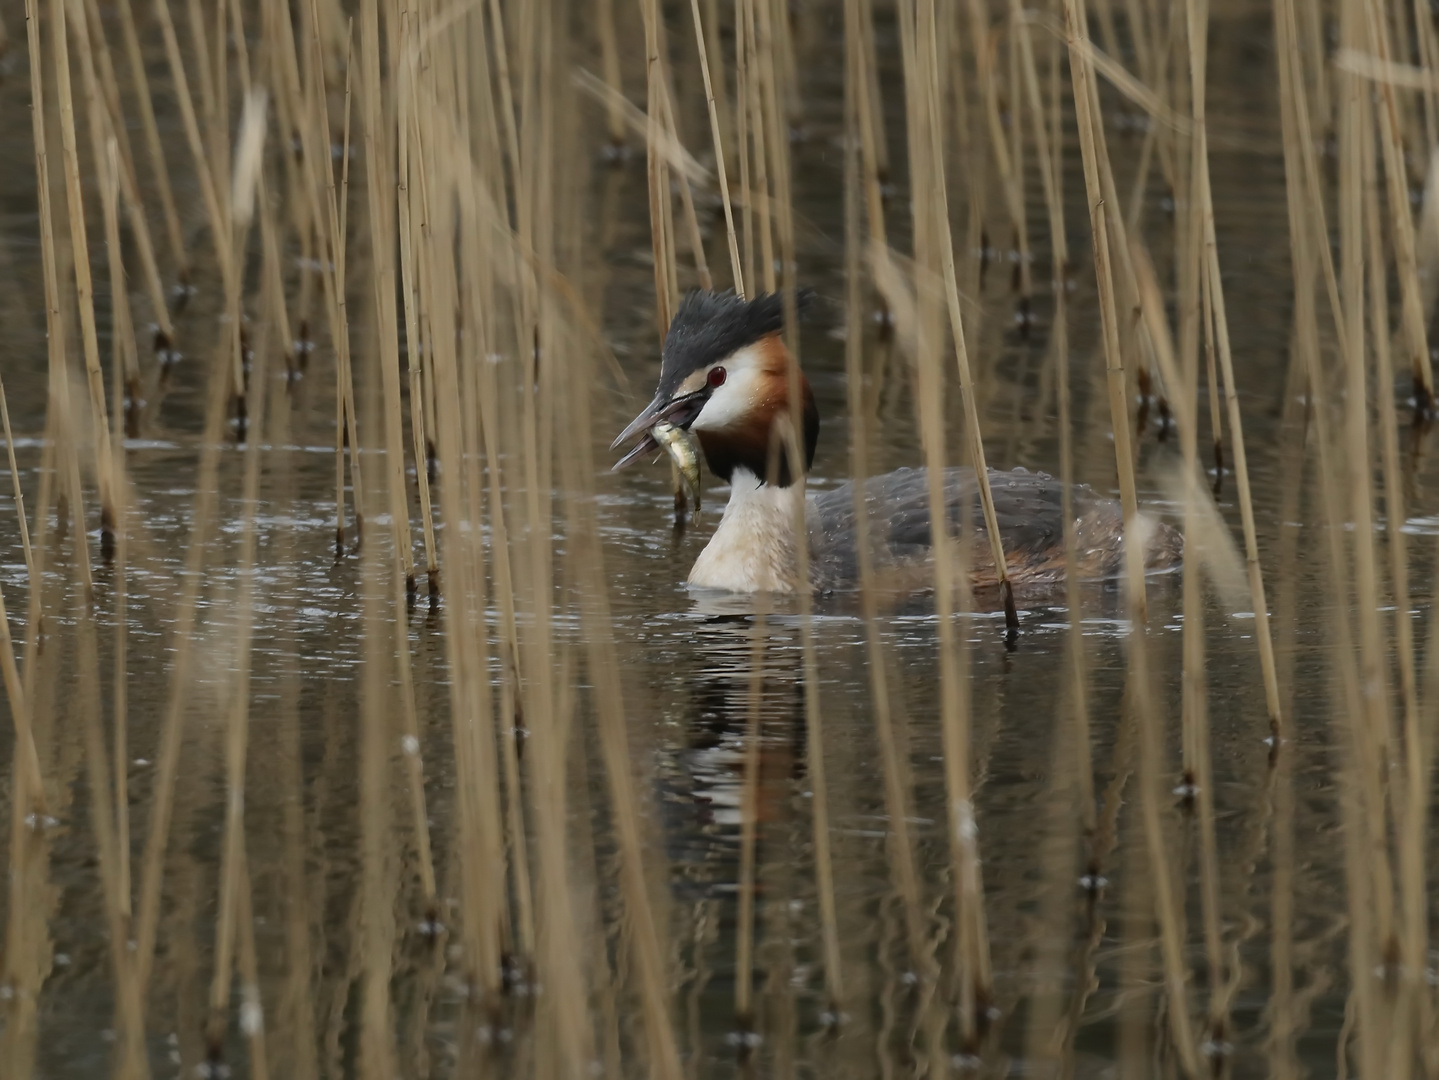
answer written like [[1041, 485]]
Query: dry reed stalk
[[18, 494], [30, 787], [1304, 243], [125, 363], [687, 199], [859, 47], [481, 393], [1082, 75], [1138, 689], [129, 1007], [604, 664], [610, 66], [1391, 130], [382, 199], [1360, 870], [715, 134], [472, 715], [1199, 773], [316, 151], [1051, 170], [774, 124], [124, 360], [375, 939], [539, 388], [115, 125], [54, 321], [84, 286], [1409, 794], [666, 292], [412, 208], [760, 192], [814, 733], [742, 141], [141, 81], [898, 843], [183, 639], [1010, 179], [210, 188], [956, 322], [976, 989], [749, 826], [1373, 727], [248, 156]]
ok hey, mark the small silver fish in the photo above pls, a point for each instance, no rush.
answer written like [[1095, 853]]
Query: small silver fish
[[678, 443]]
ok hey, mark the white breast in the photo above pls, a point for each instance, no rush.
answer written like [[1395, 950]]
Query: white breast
[[753, 550]]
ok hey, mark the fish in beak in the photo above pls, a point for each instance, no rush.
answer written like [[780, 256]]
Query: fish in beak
[[680, 412]]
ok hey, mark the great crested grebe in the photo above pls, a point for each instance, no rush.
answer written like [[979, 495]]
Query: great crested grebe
[[723, 377]]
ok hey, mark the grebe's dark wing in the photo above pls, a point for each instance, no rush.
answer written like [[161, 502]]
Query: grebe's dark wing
[[1028, 507]]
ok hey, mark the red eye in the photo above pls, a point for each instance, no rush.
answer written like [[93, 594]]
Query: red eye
[[716, 376]]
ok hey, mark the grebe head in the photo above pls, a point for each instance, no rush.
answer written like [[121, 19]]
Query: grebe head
[[723, 375]]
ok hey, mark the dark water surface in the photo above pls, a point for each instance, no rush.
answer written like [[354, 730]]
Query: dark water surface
[[687, 680]]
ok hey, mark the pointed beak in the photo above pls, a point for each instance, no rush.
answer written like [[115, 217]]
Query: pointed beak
[[680, 411]]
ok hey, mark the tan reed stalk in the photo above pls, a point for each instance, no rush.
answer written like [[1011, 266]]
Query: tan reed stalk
[[334, 217], [1194, 708], [1298, 156], [1175, 969], [1409, 795], [54, 318], [375, 939], [19, 495], [411, 206], [1366, 864], [252, 1013], [859, 45], [742, 140], [956, 324], [610, 66], [209, 186], [898, 843], [471, 706], [604, 664], [248, 157], [814, 731], [1051, 169], [545, 761], [715, 134], [129, 1006], [987, 80], [115, 126], [745, 1018], [1082, 75], [183, 638], [29, 771], [1427, 48], [687, 199], [972, 940], [382, 200], [761, 191], [775, 127], [481, 391], [124, 360], [1391, 131], [141, 82], [84, 286], [665, 294], [125, 364]]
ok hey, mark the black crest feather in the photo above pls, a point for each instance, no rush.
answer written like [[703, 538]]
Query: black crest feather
[[710, 326]]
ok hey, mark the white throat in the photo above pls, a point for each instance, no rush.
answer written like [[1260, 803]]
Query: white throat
[[753, 550]]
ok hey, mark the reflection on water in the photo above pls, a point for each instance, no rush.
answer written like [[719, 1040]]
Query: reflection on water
[[1073, 939]]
